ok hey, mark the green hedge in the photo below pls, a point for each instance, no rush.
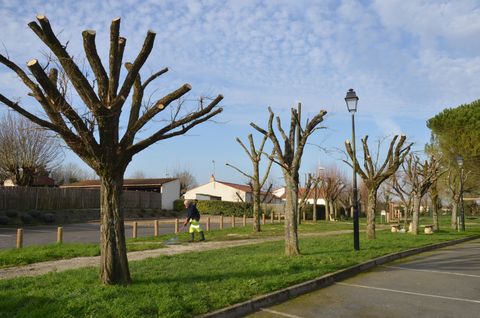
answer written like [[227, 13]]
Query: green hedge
[[236, 208], [219, 208]]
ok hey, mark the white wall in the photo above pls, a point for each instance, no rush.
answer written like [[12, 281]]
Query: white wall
[[319, 201], [170, 193], [216, 189]]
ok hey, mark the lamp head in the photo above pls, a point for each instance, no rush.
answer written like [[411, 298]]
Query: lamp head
[[351, 99]]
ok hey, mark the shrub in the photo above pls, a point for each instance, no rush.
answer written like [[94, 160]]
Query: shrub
[[35, 214], [3, 220], [225, 208], [11, 214], [49, 217], [26, 218], [178, 205]]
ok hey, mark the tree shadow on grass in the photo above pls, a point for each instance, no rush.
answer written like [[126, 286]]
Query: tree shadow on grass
[[28, 306]]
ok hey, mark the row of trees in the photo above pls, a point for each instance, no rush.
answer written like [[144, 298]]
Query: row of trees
[[90, 126]]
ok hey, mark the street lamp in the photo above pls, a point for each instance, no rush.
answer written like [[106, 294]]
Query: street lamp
[[462, 211], [352, 99]]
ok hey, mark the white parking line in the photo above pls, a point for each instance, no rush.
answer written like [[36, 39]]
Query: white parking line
[[411, 293], [430, 271], [7, 235], [280, 313]]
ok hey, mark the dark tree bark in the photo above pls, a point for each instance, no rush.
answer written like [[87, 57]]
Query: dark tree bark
[[110, 155], [289, 159], [256, 182], [373, 176]]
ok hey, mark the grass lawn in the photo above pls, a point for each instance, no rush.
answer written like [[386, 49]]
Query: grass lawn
[[186, 285]]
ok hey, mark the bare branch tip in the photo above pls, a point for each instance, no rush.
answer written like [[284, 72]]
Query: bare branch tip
[[32, 62]]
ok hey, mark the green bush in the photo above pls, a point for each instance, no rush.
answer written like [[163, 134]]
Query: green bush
[[11, 214], [49, 218], [35, 214], [219, 208], [26, 218], [3, 220], [178, 205]]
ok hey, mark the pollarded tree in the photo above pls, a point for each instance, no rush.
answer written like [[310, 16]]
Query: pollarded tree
[[289, 158], [403, 190], [96, 137], [256, 182], [332, 186], [453, 183], [373, 176], [420, 177]]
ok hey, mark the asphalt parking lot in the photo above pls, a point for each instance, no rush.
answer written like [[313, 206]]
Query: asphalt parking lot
[[441, 283]]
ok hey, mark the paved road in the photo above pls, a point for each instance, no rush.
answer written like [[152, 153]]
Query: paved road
[[90, 232], [442, 283]]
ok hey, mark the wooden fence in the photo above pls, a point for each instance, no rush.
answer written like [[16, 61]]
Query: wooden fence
[[29, 198]]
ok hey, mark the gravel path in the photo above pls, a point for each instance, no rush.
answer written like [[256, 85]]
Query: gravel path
[[79, 262]]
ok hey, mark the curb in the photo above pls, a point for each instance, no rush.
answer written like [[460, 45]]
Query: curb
[[252, 305]]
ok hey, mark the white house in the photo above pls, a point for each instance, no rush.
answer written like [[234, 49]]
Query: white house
[[223, 191], [168, 187], [280, 192]]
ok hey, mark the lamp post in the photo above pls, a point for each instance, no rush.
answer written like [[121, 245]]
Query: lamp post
[[462, 211], [352, 99]]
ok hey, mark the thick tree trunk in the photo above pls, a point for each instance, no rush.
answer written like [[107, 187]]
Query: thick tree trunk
[[256, 209], [291, 211], [372, 202], [436, 224], [332, 210], [327, 210], [114, 262], [454, 215], [416, 213]]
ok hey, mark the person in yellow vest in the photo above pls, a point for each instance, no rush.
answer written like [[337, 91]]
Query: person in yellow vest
[[193, 216]]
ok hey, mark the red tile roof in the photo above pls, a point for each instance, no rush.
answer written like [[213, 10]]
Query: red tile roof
[[126, 183]]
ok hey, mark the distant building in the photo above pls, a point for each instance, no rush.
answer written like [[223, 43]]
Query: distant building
[[280, 192], [168, 187], [226, 191], [40, 181]]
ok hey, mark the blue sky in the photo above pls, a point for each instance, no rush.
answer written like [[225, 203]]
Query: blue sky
[[407, 60]]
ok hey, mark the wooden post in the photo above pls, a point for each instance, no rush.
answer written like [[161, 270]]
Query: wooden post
[[221, 222], [59, 234], [244, 220], [155, 228], [176, 226], [134, 232], [19, 238], [208, 224], [263, 219], [271, 217], [233, 221]]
